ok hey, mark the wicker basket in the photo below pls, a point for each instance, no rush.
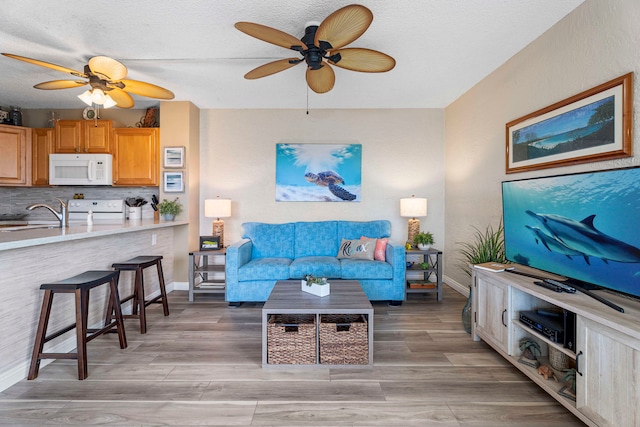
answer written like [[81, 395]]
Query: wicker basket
[[291, 339], [558, 360], [344, 340]]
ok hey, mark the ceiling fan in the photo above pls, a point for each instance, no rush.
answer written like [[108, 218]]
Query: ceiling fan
[[106, 76], [323, 45]]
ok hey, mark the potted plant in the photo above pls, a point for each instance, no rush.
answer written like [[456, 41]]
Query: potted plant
[[316, 285], [423, 240], [170, 208], [487, 247], [529, 348]]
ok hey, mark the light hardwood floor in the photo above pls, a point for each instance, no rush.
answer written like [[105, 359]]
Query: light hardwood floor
[[202, 366]]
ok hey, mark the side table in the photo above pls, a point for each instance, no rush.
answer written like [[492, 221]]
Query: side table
[[418, 279], [206, 272]]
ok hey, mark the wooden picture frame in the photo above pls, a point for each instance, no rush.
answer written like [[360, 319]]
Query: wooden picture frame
[[173, 182], [210, 243], [591, 126], [173, 157]]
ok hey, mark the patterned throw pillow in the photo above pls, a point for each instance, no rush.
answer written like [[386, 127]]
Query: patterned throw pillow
[[356, 249], [381, 248]]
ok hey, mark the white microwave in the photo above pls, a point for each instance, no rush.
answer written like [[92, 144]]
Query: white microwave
[[80, 169]]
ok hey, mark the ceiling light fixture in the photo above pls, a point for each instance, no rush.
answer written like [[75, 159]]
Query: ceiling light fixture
[[98, 97]]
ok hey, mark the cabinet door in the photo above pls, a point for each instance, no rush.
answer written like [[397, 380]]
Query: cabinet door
[[15, 160], [607, 392], [492, 312], [68, 136], [136, 158], [96, 136], [42, 145]]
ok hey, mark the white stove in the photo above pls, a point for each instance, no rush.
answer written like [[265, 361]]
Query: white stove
[[104, 211]]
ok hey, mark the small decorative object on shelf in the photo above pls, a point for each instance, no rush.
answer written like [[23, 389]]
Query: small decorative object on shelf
[[547, 372], [423, 240], [569, 390], [529, 348], [316, 285], [170, 208]]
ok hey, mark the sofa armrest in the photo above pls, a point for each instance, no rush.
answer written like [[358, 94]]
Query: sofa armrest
[[238, 254], [396, 256]]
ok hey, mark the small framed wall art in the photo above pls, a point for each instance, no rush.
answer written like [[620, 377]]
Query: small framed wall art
[[173, 182], [173, 157], [209, 243]]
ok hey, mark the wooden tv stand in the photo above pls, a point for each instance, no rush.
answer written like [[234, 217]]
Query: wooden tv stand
[[607, 351]]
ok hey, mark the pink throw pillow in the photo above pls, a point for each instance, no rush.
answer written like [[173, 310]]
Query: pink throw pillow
[[381, 247]]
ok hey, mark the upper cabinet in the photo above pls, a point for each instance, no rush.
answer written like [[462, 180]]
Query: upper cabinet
[[41, 145], [15, 160], [136, 158], [82, 136]]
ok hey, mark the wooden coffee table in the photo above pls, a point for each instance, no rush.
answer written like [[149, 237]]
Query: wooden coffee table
[[347, 297]]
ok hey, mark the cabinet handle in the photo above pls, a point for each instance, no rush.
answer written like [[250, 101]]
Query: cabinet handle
[[503, 313], [578, 363]]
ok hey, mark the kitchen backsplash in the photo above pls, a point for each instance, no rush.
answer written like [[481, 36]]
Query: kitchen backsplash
[[16, 199]]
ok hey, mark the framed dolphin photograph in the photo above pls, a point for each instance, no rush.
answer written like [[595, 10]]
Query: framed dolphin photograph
[[591, 126], [318, 172]]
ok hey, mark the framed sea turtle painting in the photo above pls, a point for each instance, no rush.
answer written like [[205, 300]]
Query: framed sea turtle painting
[[318, 172]]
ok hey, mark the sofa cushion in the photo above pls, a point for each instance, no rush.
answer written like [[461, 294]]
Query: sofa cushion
[[270, 240], [364, 269], [265, 268], [318, 266], [381, 248], [355, 229], [357, 249], [316, 238]]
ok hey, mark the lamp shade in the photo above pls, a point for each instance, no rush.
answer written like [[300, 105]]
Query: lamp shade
[[413, 207], [217, 208]]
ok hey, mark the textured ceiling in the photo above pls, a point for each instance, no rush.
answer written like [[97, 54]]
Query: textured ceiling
[[442, 48]]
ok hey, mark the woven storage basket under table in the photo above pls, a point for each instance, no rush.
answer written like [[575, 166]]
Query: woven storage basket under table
[[291, 339], [344, 339]]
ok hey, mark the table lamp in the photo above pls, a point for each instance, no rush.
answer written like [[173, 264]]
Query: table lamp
[[217, 208], [413, 207]]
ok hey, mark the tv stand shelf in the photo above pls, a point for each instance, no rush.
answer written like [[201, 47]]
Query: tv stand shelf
[[607, 345]]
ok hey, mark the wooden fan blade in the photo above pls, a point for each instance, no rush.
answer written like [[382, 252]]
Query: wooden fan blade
[[269, 35], [344, 26], [107, 68], [365, 60], [46, 64], [122, 98], [146, 89], [60, 84], [271, 68], [322, 79]]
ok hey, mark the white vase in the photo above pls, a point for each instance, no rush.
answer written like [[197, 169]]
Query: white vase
[[316, 289], [424, 247]]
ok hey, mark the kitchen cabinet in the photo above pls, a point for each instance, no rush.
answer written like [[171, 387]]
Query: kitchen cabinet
[[15, 160], [42, 141], [607, 344], [136, 156], [83, 136]]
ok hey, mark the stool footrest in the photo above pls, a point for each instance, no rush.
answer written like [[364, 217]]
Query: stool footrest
[[59, 332], [58, 356]]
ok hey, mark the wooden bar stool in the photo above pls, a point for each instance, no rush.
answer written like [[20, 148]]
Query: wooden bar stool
[[79, 285], [138, 264]]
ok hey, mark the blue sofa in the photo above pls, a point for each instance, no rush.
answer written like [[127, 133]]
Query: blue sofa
[[271, 252]]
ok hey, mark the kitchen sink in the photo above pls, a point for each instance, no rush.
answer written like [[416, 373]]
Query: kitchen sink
[[27, 227]]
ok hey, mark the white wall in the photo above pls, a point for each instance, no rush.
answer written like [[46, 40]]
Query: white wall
[[596, 43], [402, 154]]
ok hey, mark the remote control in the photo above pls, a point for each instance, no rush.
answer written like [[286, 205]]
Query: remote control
[[564, 286], [548, 286]]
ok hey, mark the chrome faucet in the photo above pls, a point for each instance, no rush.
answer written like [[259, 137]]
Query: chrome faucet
[[63, 215]]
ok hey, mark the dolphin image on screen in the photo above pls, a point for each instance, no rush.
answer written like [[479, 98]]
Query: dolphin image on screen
[[582, 236], [555, 245]]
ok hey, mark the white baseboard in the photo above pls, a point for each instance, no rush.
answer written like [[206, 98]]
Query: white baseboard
[[456, 286], [20, 371]]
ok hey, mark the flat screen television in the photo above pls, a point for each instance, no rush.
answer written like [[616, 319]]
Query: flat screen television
[[583, 226]]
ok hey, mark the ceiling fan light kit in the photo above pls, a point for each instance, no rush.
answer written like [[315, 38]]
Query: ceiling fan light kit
[[322, 46], [106, 76]]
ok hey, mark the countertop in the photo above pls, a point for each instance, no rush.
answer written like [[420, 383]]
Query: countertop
[[42, 236]]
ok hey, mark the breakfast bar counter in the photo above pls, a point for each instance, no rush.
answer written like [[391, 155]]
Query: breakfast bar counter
[[33, 256]]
